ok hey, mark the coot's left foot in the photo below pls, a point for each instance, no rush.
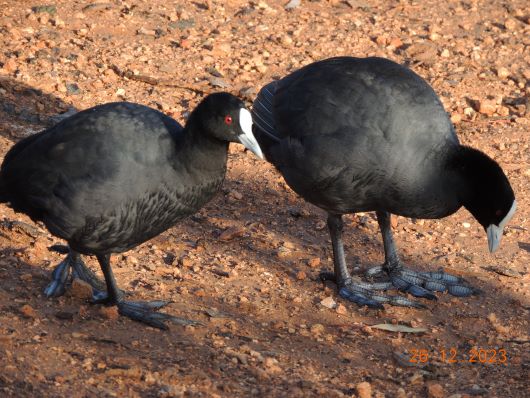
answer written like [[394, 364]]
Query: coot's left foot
[[141, 311], [369, 294]]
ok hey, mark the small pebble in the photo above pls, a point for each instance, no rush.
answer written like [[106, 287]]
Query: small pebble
[[320, 225], [314, 262], [317, 329], [109, 312], [364, 390], [6, 341], [487, 107], [341, 309], [10, 65], [133, 373], [26, 277], [73, 89], [400, 393], [510, 24], [328, 302], [235, 195], [185, 43], [232, 233], [503, 73], [28, 311], [81, 289], [416, 378], [456, 118], [395, 43], [289, 245], [301, 275], [435, 391], [243, 299], [292, 4]]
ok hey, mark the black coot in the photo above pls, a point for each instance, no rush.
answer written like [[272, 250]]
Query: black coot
[[351, 135], [114, 176]]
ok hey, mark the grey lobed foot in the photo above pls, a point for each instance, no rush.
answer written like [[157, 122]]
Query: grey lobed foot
[[144, 311], [422, 284], [369, 294], [141, 311]]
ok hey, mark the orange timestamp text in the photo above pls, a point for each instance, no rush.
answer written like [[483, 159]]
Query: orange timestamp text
[[453, 355]]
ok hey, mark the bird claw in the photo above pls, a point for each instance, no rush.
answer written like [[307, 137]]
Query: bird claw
[[54, 289], [60, 276], [359, 298], [418, 291]]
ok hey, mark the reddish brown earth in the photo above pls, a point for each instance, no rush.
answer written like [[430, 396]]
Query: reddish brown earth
[[247, 266]]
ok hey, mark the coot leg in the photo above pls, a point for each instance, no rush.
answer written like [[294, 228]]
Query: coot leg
[[142, 311], [359, 292], [61, 276], [81, 271], [419, 284]]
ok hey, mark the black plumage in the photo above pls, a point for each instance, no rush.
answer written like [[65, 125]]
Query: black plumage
[[352, 135], [116, 175]]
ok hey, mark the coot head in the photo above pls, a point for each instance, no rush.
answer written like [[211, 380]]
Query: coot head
[[490, 198], [223, 116]]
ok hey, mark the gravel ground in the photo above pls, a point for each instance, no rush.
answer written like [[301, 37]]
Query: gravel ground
[[247, 265]]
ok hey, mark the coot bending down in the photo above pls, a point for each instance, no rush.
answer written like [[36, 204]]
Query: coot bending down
[[111, 177], [352, 135]]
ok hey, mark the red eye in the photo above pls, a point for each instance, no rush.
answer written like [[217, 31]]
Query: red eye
[[228, 119]]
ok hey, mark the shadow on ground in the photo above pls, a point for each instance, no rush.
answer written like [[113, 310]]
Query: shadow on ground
[[25, 110]]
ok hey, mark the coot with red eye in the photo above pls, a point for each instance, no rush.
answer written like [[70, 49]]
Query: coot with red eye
[[111, 177], [351, 135]]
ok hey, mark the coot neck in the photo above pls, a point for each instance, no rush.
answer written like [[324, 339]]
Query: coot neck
[[465, 166], [205, 150], [434, 186]]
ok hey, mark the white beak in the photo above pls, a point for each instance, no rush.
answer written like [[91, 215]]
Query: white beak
[[494, 237], [494, 232], [247, 138]]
